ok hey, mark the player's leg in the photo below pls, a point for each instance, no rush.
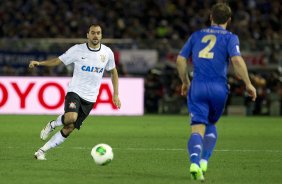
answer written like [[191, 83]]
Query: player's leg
[[209, 143], [51, 125], [198, 108], [72, 106], [59, 137], [195, 148], [73, 118], [83, 113], [195, 142], [69, 123], [218, 97]]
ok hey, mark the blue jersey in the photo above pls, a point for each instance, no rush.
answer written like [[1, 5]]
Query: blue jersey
[[211, 49]]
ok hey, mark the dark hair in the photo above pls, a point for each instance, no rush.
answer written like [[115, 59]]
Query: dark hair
[[220, 13], [94, 25]]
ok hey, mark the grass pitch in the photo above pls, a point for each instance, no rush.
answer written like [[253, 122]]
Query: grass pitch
[[147, 150]]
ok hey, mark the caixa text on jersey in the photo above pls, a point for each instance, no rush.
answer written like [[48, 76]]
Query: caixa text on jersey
[[92, 69]]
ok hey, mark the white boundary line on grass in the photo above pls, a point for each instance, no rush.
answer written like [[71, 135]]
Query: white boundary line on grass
[[181, 149], [164, 149]]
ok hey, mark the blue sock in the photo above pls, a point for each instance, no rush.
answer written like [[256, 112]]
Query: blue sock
[[195, 147], [209, 142]]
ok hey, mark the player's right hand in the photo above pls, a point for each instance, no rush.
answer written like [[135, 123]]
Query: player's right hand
[[33, 64], [184, 89], [251, 91]]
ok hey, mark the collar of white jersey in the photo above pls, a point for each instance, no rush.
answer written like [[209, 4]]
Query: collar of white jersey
[[94, 50]]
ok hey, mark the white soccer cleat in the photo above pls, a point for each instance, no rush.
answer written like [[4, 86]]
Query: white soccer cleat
[[45, 132], [39, 155]]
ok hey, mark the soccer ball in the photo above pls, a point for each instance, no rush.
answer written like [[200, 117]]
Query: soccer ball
[[102, 154]]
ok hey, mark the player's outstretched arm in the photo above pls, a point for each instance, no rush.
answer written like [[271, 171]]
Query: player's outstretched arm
[[181, 64], [114, 77], [49, 62], [241, 70]]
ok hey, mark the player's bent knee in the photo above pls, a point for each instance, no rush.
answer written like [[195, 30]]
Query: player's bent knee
[[68, 129], [70, 118]]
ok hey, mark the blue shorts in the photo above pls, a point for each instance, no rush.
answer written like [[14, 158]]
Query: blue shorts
[[206, 101]]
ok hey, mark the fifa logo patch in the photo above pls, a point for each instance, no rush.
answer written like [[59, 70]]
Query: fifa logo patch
[[103, 58], [72, 105]]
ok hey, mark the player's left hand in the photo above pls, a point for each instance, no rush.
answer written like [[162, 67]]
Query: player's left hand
[[116, 101], [184, 89]]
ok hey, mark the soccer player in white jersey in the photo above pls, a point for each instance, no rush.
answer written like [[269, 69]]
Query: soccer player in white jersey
[[90, 60]]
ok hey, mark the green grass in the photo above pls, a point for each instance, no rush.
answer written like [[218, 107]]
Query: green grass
[[148, 150]]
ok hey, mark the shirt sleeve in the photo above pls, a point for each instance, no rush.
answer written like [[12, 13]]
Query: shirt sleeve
[[233, 46], [69, 56], [111, 61], [186, 50]]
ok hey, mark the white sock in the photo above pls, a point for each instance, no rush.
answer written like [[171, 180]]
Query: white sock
[[57, 122], [56, 140], [204, 161]]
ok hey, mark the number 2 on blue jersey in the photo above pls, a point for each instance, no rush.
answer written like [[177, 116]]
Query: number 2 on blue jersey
[[205, 52]]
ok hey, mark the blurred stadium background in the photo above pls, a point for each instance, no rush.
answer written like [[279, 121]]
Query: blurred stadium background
[[146, 37]]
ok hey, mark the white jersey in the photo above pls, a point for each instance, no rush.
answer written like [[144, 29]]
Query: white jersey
[[89, 66]]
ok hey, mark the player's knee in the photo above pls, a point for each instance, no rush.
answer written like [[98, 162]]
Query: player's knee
[[68, 129], [70, 118], [199, 128], [71, 126]]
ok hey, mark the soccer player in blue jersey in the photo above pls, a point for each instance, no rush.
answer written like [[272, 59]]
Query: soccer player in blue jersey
[[211, 50]]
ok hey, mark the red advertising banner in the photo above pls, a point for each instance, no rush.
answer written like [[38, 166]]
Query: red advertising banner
[[45, 95]]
